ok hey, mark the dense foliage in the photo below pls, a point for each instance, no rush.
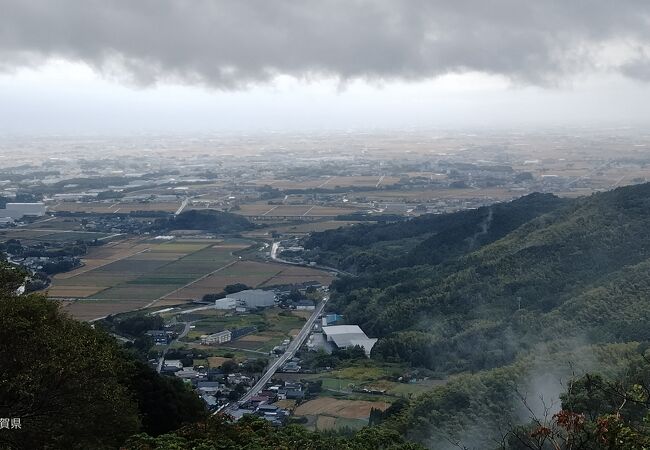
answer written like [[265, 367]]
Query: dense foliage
[[579, 270], [427, 239], [72, 386], [209, 220], [252, 433]]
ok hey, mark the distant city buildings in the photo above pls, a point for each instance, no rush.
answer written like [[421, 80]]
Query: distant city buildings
[[16, 211]]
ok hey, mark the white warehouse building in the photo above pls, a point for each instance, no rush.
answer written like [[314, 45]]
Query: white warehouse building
[[225, 303], [344, 336], [253, 298]]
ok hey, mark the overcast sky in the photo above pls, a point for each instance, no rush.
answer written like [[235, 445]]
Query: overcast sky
[[123, 66]]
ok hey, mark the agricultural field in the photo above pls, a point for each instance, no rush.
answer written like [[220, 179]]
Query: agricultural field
[[139, 273], [372, 375], [114, 207], [330, 182], [301, 228], [265, 210], [425, 195], [253, 274], [296, 274], [136, 273], [274, 325], [52, 235], [324, 413]]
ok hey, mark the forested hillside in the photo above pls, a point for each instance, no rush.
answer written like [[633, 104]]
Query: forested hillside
[[579, 269], [209, 220], [428, 239], [498, 311]]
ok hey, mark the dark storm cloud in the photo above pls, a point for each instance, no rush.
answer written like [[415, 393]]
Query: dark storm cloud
[[230, 43]]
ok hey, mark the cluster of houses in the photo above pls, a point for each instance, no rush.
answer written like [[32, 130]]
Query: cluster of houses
[[217, 388], [263, 404], [213, 385]]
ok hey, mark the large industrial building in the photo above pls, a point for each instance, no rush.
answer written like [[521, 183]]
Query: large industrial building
[[225, 303], [253, 298], [344, 336], [16, 211], [248, 299]]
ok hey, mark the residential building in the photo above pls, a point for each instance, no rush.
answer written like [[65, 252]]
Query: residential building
[[305, 305], [216, 338]]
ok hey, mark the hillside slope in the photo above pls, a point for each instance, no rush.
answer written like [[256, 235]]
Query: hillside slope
[[427, 239], [554, 275]]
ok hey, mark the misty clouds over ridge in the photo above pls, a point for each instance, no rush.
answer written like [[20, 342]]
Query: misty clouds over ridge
[[231, 43]]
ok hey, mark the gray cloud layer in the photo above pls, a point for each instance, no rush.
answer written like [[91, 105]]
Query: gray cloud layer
[[230, 43]]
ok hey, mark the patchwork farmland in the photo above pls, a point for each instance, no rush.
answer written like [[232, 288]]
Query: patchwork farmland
[[138, 273]]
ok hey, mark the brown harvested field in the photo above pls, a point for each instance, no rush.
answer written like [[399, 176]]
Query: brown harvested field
[[294, 332], [294, 274], [217, 361], [322, 211], [93, 309], [265, 210], [106, 254], [272, 210], [350, 409], [310, 227], [286, 404], [250, 273], [74, 291], [434, 194], [100, 207], [330, 182], [165, 302]]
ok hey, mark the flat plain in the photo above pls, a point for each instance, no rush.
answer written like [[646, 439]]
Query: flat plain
[[135, 273]]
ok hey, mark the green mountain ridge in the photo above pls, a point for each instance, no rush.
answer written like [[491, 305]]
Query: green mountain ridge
[[483, 308]]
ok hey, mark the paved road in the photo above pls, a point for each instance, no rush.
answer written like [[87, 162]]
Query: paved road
[[286, 356], [274, 257], [182, 207], [180, 336]]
